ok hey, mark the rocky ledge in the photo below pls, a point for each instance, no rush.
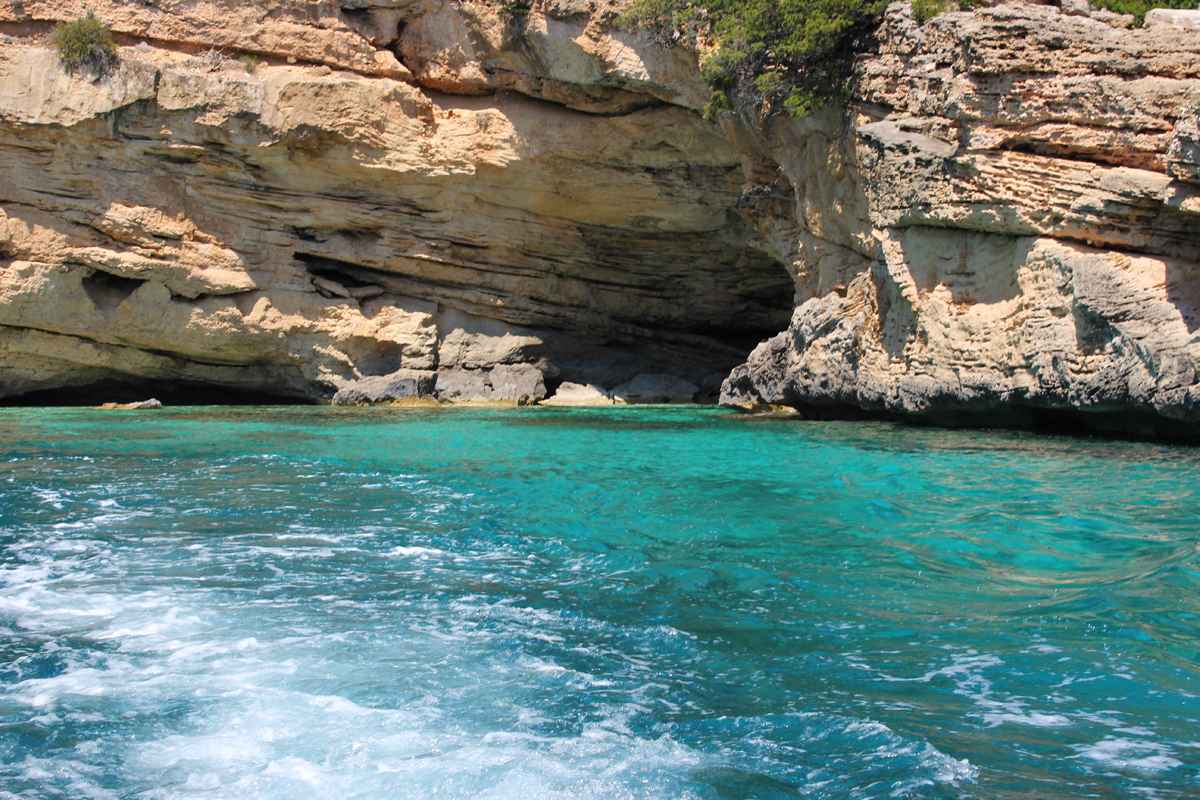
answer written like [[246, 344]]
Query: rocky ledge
[[362, 200]]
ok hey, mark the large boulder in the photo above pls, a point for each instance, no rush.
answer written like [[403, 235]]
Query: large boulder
[[402, 384], [523, 384]]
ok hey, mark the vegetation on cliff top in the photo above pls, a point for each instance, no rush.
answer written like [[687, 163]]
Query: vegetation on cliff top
[[771, 54], [794, 55], [86, 44]]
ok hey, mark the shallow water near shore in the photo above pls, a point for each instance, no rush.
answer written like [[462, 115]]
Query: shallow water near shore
[[590, 603]]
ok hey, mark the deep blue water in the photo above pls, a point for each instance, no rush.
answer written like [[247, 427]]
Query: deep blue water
[[630, 603]]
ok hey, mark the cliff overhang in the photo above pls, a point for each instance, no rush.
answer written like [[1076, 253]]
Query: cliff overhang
[[323, 200]]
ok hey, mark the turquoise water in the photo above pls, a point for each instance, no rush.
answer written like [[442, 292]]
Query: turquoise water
[[638, 603]]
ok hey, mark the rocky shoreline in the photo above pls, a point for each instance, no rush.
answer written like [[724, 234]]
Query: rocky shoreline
[[1032, 200], [358, 202]]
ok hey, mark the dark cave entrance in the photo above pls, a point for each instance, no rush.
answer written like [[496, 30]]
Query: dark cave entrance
[[171, 393]]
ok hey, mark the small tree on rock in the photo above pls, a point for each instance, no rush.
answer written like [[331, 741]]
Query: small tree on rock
[[86, 45]]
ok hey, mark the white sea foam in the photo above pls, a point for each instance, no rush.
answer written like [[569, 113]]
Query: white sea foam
[[1136, 755], [49, 497], [1014, 712], [269, 744], [967, 670], [262, 694], [81, 779], [418, 552], [936, 766], [251, 736]]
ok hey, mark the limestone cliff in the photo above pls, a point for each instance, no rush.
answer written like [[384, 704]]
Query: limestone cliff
[[542, 202], [372, 198], [1008, 233]]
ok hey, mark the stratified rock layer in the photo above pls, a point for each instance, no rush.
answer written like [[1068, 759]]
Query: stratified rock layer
[[1017, 231], [370, 199], [300, 231]]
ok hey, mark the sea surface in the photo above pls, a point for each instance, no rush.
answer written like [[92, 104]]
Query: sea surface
[[629, 603]]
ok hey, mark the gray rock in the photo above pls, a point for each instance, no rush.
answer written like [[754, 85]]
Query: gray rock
[[463, 385], [1014, 227], [656, 388], [365, 292], [1063, 342], [1082, 8], [523, 384], [1183, 155], [399, 385], [328, 288]]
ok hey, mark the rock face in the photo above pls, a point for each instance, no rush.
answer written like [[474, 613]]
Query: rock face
[[399, 385], [518, 209], [1007, 233], [384, 198]]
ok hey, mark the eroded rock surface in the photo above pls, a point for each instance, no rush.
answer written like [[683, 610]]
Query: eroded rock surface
[[386, 197], [1019, 233], [521, 208]]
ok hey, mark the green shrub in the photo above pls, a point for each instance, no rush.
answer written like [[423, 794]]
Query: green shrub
[[771, 55], [793, 55], [86, 44], [515, 8], [925, 10]]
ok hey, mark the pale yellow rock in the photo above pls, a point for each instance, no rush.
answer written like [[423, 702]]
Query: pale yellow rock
[[580, 395], [35, 90], [303, 30], [1027, 176], [1004, 222], [332, 227]]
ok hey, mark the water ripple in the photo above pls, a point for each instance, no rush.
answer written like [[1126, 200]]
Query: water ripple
[[262, 603]]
